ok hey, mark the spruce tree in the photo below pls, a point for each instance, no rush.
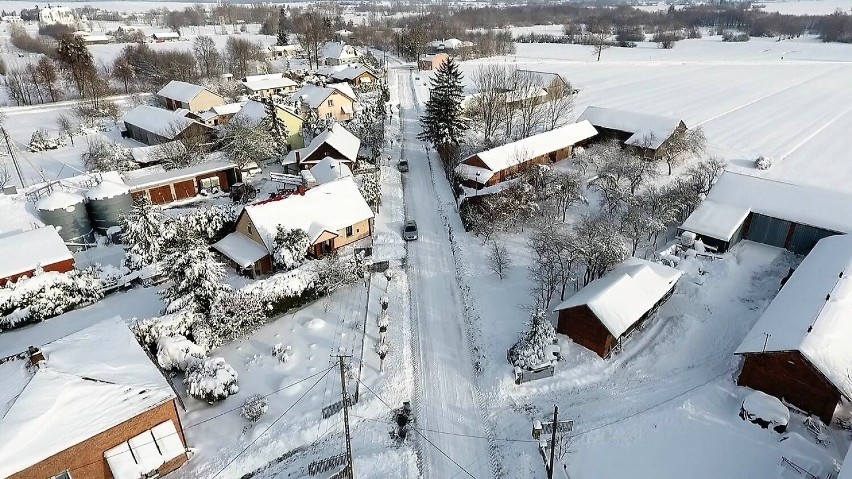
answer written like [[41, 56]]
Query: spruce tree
[[195, 278], [530, 350], [443, 124], [283, 32], [142, 234], [277, 128]]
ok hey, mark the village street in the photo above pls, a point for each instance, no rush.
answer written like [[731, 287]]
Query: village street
[[445, 388]]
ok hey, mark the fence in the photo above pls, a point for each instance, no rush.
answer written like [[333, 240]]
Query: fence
[[523, 376], [318, 467]]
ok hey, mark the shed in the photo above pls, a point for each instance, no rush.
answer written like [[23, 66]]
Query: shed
[[165, 186], [641, 130], [329, 169], [153, 126], [195, 98], [165, 36], [798, 350], [24, 252], [604, 312], [507, 161]]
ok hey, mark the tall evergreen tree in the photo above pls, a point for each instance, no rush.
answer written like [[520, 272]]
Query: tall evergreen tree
[[283, 31], [195, 278], [277, 128], [530, 350], [443, 124], [142, 234]]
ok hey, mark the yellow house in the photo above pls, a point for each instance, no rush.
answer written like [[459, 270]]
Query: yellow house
[[335, 101], [195, 98]]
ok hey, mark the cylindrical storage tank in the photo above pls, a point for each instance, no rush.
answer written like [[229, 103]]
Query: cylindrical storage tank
[[108, 202], [68, 213]]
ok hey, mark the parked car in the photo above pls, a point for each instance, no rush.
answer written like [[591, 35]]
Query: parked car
[[402, 166], [409, 231]]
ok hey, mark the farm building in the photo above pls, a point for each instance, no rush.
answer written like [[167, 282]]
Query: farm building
[[335, 101], [22, 253], [195, 98], [336, 142], [152, 126], [165, 37], [505, 162], [333, 215], [798, 350], [338, 53], [768, 211], [432, 62], [255, 111], [604, 312], [91, 404], [355, 75], [646, 132], [553, 83], [265, 86], [163, 186]]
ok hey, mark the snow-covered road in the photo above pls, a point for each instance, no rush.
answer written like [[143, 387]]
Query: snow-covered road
[[446, 392]]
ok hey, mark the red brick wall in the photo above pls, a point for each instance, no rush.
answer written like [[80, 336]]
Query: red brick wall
[[791, 377], [60, 267], [86, 459], [583, 327]]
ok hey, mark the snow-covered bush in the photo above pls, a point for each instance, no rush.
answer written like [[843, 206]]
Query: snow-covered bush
[[236, 314], [370, 186], [142, 234], [530, 350], [149, 331], [282, 353], [254, 408], [178, 353], [735, 36], [762, 163], [212, 380], [291, 247], [107, 156], [283, 291], [211, 223], [195, 279], [334, 271], [45, 295]]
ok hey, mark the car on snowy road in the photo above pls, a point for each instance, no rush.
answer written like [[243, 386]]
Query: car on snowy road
[[409, 231], [402, 166]]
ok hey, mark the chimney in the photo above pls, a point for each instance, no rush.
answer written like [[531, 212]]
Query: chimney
[[298, 156], [35, 354]]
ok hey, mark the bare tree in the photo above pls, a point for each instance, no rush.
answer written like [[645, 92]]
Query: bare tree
[[5, 174], [491, 81], [208, 57], [559, 104], [240, 52], [598, 245], [499, 260], [683, 143], [526, 97], [567, 191], [46, 74], [599, 34], [123, 72], [312, 30], [67, 126]]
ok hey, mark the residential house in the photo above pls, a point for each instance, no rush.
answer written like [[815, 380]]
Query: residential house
[[22, 253], [605, 311], [768, 211], [152, 126], [334, 102], [338, 53], [355, 75], [451, 46], [798, 350], [333, 215], [432, 62], [336, 142], [91, 404], [267, 86], [647, 133], [56, 15], [195, 98], [160, 37], [219, 114], [507, 161], [255, 111], [284, 51], [165, 186]]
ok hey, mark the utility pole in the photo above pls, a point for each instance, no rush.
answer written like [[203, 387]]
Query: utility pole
[[552, 441], [349, 469], [14, 158], [368, 282]]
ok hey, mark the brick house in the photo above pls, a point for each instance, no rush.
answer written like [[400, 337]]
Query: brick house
[[89, 405], [22, 253]]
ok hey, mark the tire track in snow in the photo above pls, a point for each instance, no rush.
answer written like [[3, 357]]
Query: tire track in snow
[[816, 132]]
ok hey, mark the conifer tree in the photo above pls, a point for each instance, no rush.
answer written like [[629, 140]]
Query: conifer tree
[[142, 234], [443, 124], [195, 278], [277, 128], [530, 350], [283, 32]]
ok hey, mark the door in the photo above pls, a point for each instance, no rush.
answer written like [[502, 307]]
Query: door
[[185, 189], [161, 195], [768, 230], [806, 237]]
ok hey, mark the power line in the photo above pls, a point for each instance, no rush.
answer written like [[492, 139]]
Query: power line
[[423, 429]]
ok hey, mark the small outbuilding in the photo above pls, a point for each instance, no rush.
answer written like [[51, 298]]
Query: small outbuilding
[[648, 133], [22, 253], [152, 126], [605, 311], [432, 62], [507, 161], [798, 351], [160, 37], [165, 186], [189, 96]]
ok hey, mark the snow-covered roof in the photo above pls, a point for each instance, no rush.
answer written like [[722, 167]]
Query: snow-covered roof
[[275, 80], [165, 35], [314, 95], [26, 251], [451, 43], [329, 169], [325, 208], [811, 313], [337, 137], [344, 88], [107, 189], [524, 94], [735, 195], [181, 91], [653, 128], [240, 249], [157, 120], [170, 176], [151, 153], [546, 78], [511, 154], [253, 111], [623, 295], [91, 380], [351, 72], [338, 50], [227, 108]]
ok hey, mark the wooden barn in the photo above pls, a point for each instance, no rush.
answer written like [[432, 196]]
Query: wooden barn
[[88, 405], [507, 161], [771, 212], [22, 253], [648, 133], [604, 312], [165, 186], [799, 350]]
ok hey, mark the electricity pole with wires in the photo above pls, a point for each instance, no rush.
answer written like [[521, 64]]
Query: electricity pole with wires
[[345, 395], [553, 442]]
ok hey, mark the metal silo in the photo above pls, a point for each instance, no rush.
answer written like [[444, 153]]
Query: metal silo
[[108, 202], [68, 213]]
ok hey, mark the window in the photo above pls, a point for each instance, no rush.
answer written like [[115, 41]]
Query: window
[[348, 231], [330, 102], [249, 229], [62, 475]]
